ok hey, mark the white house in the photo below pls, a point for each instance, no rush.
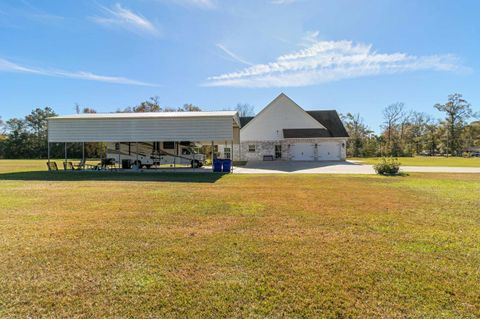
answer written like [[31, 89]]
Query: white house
[[285, 131]]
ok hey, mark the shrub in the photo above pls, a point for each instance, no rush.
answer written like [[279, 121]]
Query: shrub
[[387, 166]]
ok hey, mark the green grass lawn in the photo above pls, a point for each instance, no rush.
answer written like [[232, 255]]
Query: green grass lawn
[[113, 245], [427, 161]]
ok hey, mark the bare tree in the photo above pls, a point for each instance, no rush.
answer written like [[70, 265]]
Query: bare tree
[[189, 108], [393, 117], [245, 110]]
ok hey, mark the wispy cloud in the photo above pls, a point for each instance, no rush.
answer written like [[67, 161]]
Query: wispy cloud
[[9, 66], [120, 17], [326, 61], [232, 55], [14, 16], [310, 38], [35, 13]]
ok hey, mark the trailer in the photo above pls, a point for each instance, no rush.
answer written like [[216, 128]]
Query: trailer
[[148, 154]]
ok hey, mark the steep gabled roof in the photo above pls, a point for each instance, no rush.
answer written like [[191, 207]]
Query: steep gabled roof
[[331, 121], [280, 96]]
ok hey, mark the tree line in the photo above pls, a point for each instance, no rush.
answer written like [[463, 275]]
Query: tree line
[[27, 137], [403, 132], [407, 133]]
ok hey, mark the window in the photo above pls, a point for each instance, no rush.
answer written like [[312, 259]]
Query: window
[[251, 148], [278, 151], [168, 145], [117, 146], [185, 151], [227, 152]]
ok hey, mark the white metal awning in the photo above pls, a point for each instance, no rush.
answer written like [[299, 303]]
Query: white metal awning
[[145, 127]]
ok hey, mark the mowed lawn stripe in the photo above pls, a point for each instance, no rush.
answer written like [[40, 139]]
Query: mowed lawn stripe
[[242, 246]]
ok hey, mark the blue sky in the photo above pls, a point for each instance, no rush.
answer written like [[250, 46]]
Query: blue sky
[[349, 55]]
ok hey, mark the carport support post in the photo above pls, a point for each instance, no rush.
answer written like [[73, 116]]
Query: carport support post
[[193, 160], [159, 157], [48, 154], [101, 153], [175, 157], [83, 155], [136, 145], [65, 163], [213, 151]]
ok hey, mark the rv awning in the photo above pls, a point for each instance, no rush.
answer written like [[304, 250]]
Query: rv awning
[[145, 127]]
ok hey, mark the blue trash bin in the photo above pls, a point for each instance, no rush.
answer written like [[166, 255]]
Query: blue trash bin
[[227, 165], [217, 165]]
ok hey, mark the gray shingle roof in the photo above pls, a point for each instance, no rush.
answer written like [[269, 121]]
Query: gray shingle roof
[[331, 121], [245, 119], [305, 132]]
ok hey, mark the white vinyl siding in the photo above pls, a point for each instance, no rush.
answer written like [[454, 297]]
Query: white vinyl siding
[[280, 114], [140, 129]]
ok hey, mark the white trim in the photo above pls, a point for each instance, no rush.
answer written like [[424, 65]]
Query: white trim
[[145, 115]]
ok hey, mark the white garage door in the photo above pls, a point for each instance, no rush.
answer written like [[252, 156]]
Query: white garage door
[[329, 151], [302, 151]]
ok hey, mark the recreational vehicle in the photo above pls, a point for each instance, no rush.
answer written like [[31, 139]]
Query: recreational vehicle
[[148, 154]]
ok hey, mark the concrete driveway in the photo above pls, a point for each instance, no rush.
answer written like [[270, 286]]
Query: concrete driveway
[[298, 167], [342, 167]]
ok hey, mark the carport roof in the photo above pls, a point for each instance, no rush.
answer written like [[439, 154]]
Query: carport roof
[[132, 115], [145, 127]]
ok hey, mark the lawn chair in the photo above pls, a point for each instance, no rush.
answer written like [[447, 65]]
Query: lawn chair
[[108, 164], [52, 166], [83, 165], [68, 166]]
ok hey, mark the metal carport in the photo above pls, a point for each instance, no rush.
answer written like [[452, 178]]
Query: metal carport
[[202, 127]]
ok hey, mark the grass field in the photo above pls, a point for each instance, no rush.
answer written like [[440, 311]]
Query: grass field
[[237, 246], [427, 161]]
